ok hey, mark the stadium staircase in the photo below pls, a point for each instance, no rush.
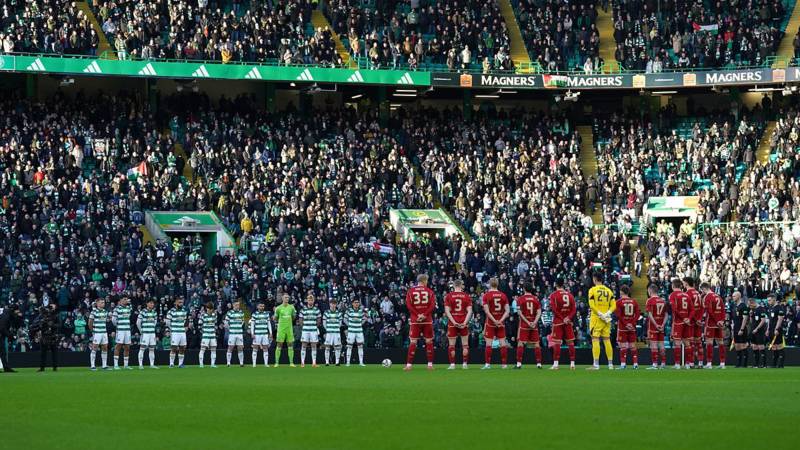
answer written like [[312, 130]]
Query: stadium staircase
[[104, 47], [786, 48], [519, 53], [639, 286], [319, 20], [608, 46], [763, 152], [588, 162]]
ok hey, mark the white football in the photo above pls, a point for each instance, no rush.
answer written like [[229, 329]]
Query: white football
[[387, 362]]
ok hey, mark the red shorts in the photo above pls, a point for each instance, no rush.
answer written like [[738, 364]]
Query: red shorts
[[682, 331], [425, 329], [626, 336], [453, 331], [528, 335], [491, 332], [713, 333], [697, 330], [562, 332], [654, 335]]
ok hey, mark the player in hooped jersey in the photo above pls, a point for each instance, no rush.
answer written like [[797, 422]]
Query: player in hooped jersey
[[698, 315], [682, 330], [496, 308], [529, 311], [656, 309], [420, 302], [627, 315], [458, 310], [562, 303], [714, 308]]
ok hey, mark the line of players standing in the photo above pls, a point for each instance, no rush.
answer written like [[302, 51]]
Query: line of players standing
[[698, 318]]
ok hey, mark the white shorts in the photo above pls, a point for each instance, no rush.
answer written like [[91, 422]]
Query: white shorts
[[148, 340], [235, 339], [262, 339], [210, 342], [124, 337], [355, 338], [333, 338], [178, 340], [309, 336], [100, 338]]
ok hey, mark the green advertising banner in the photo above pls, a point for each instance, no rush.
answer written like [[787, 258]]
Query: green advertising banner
[[200, 70]]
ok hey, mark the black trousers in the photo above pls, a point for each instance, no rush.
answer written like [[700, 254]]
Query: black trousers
[[3, 355], [53, 348]]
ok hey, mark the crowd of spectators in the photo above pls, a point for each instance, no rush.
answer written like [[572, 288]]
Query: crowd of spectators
[[654, 36], [561, 35], [46, 26], [456, 33]]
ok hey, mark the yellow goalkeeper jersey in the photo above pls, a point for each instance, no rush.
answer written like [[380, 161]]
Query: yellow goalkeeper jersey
[[601, 300]]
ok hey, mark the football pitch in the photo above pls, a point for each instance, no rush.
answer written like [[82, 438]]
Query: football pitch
[[386, 408]]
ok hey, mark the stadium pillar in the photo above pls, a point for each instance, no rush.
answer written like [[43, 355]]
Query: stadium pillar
[[383, 106], [152, 94], [269, 97], [30, 86], [467, 104]]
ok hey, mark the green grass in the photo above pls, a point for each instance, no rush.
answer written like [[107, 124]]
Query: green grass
[[378, 408]]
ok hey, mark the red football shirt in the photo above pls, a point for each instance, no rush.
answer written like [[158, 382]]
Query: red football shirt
[[562, 303], [497, 302], [459, 304], [627, 313], [714, 309], [528, 306], [681, 306], [420, 300], [658, 308], [697, 304]]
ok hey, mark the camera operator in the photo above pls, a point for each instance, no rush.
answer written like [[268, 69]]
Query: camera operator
[[48, 331], [10, 320]]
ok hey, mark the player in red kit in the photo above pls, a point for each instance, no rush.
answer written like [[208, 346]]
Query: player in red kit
[[714, 308], [420, 302], [627, 315], [656, 309], [495, 306], [530, 310], [698, 312], [562, 303], [682, 331], [458, 310]]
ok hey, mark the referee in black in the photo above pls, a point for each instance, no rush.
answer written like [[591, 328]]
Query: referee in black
[[777, 317], [741, 316], [758, 333]]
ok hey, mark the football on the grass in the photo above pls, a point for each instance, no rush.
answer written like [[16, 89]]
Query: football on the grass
[[387, 362]]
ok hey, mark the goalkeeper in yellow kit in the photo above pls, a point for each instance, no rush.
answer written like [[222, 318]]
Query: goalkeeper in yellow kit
[[602, 304]]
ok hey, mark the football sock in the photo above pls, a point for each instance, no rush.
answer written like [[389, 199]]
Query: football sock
[[213, 356], [361, 354], [141, 356], [635, 356], [571, 348], [663, 353], [152, 356], [677, 354], [412, 349], [126, 359], [104, 358], [201, 355], [556, 353], [595, 349], [710, 354], [349, 353], [313, 355], [338, 354], [700, 356], [504, 355], [228, 357], [780, 357], [690, 355], [255, 357], [93, 356], [488, 354], [623, 356], [241, 357], [180, 358], [328, 355], [465, 355], [116, 361], [451, 354], [428, 352], [538, 352], [520, 350], [290, 351], [654, 356], [303, 354], [609, 350], [722, 354], [171, 358], [278, 350]]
